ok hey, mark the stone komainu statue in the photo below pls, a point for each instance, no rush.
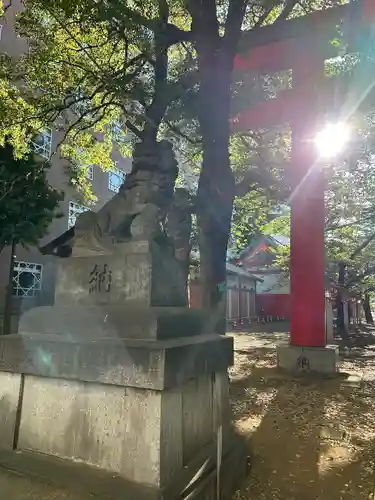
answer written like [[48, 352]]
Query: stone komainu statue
[[138, 211]]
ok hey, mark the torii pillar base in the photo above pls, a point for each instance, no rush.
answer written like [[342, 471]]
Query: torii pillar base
[[307, 360]]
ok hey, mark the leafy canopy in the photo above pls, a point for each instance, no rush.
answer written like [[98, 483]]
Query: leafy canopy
[[28, 204], [92, 72]]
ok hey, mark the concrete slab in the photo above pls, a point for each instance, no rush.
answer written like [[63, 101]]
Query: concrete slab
[[298, 359]]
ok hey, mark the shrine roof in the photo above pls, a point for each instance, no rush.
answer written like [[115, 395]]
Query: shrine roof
[[262, 243], [233, 269]]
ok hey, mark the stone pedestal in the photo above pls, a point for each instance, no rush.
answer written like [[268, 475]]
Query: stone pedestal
[[119, 375], [151, 412], [295, 359], [134, 291]]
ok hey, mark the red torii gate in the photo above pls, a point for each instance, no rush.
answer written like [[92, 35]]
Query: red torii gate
[[302, 45]]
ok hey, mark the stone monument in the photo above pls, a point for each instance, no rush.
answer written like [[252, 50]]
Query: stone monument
[[123, 265], [119, 373]]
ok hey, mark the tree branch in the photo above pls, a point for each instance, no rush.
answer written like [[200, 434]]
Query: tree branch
[[203, 14], [253, 177], [177, 131], [363, 245], [8, 6], [264, 16], [288, 7], [353, 223], [91, 112], [119, 11], [369, 271], [7, 191], [233, 22], [155, 112], [133, 129]]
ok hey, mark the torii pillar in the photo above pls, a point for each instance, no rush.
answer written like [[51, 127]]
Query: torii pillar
[[307, 328], [303, 108]]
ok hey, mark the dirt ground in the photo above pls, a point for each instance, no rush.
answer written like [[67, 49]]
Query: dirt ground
[[310, 439], [15, 486]]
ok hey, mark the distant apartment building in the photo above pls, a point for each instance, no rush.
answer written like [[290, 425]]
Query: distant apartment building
[[34, 275]]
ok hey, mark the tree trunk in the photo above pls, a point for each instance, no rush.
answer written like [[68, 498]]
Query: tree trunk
[[341, 328], [367, 309], [339, 301], [216, 183], [213, 239], [215, 200], [7, 320]]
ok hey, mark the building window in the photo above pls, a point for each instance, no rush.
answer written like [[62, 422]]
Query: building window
[[90, 172], [74, 210], [27, 279], [81, 104], [42, 144], [117, 133], [115, 179]]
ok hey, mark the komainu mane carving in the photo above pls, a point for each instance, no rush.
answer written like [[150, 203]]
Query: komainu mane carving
[[147, 207], [138, 211]]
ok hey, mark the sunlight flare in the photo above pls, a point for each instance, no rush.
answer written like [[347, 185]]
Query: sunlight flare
[[332, 139]]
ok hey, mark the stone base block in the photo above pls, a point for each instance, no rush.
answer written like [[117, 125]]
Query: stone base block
[[139, 271], [152, 413], [198, 481], [113, 321], [298, 359], [143, 364]]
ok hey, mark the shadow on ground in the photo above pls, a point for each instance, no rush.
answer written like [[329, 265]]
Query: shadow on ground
[[311, 439]]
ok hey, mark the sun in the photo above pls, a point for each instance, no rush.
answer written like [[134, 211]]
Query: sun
[[332, 139]]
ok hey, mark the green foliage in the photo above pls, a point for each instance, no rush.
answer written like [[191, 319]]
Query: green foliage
[[28, 204], [79, 76], [91, 65], [350, 223], [92, 68]]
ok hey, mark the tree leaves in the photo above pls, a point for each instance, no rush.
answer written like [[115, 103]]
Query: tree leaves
[[28, 204], [91, 66]]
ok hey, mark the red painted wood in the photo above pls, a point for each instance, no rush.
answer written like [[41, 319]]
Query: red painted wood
[[307, 215], [267, 113], [274, 304], [279, 55], [267, 58], [368, 10], [282, 109]]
